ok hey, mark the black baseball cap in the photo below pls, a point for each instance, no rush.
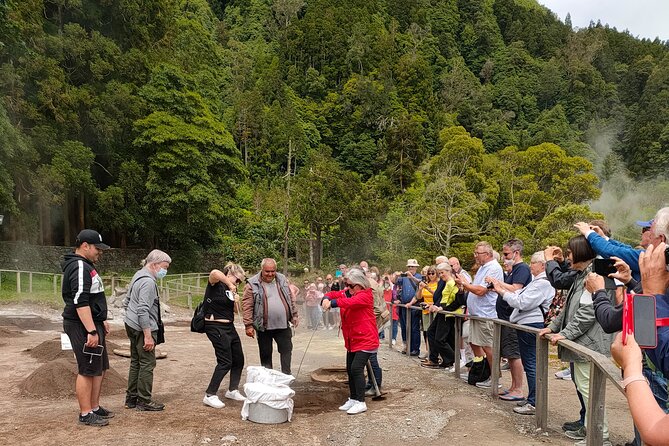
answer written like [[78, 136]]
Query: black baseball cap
[[92, 238]]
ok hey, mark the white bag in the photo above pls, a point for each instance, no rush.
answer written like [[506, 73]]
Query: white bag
[[277, 396], [257, 374]]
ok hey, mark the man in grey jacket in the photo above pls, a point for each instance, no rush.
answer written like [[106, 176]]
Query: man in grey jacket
[[269, 309], [142, 320]]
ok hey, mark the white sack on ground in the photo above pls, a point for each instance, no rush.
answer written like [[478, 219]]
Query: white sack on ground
[[277, 396]]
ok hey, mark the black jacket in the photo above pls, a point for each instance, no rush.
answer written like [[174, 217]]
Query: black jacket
[[82, 286], [559, 275]]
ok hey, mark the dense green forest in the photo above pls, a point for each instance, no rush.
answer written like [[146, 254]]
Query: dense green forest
[[318, 130]]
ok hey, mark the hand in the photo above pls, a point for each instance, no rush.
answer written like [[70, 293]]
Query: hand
[[549, 253], [422, 285], [326, 304], [149, 344], [623, 273], [544, 331], [434, 309], [250, 332], [594, 282], [654, 275], [296, 321], [106, 325], [583, 227], [557, 254], [556, 337], [397, 301], [92, 340], [407, 305], [628, 356], [598, 230]]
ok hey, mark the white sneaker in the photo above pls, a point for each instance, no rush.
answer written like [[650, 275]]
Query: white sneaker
[[348, 404], [394, 342], [357, 407], [213, 401], [564, 374], [234, 395]]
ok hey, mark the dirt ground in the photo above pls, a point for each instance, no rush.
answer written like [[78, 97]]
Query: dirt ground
[[422, 407]]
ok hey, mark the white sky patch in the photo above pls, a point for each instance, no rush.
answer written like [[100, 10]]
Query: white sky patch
[[642, 18]]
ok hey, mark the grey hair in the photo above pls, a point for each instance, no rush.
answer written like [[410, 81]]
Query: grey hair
[[444, 267], [156, 256], [661, 221], [357, 277], [496, 256], [440, 259], [266, 261], [538, 257], [486, 246]]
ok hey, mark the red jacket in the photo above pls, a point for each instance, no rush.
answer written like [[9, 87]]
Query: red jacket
[[358, 323]]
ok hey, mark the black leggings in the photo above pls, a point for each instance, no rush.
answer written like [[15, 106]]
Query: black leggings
[[229, 355], [355, 367]]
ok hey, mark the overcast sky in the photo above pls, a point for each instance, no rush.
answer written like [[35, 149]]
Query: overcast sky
[[642, 18]]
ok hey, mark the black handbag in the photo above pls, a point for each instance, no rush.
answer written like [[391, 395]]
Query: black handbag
[[160, 335], [479, 372]]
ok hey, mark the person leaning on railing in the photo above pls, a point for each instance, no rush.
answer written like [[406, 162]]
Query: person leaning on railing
[[577, 323]]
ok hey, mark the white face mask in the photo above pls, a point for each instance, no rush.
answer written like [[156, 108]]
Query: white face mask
[[162, 272]]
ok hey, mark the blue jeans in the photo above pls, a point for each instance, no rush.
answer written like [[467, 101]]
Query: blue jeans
[[658, 385], [396, 324], [527, 343], [376, 368], [415, 328]]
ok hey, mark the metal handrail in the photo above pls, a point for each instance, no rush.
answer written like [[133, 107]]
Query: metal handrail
[[601, 370]]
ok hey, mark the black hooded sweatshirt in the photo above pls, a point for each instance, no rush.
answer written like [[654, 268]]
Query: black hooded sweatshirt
[[82, 286]]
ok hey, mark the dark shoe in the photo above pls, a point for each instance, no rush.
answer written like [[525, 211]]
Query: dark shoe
[[578, 434], [572, 425], [104, 413], [414, 353], [429, 365], [92, 419], [130, 402], [151, 406]]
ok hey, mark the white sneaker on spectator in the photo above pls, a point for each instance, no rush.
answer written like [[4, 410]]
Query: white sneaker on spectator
[[564, 374], [213, 401], [450, 369], [422, 356], [464, 375], [357, 407], [486, 384], [234, 395], [348, 404], [394, 342], [526, 409]]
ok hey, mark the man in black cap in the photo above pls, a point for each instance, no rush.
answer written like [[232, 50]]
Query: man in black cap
[[85, 323]]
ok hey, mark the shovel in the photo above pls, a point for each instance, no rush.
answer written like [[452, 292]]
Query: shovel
[[377, 392]]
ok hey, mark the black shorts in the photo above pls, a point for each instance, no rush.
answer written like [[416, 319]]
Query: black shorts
[[509, 343], [88, 365]]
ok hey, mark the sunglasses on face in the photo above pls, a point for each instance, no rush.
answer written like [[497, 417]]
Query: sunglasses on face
[[350, 285], [645, 230], [431, 274]]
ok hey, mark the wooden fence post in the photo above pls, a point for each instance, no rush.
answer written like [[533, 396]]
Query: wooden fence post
[[541, 402], [30, 282], [596, 405], [190, 300], [18, 282], [456, 350], [496, 348], [55, 285]]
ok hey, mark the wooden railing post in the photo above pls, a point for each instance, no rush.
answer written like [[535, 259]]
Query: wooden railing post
[[458, 339], [407, 330], [541, 402], [190, 300], [18, 282], [494, 374], [30, 282], [596, 407], [55, 285]]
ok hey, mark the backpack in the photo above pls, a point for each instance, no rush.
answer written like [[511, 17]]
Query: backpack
[[479, 372], [380, 307], [197, 322]]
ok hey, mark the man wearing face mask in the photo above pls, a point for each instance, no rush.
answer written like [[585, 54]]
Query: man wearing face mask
[[142, 322], [518, 278]]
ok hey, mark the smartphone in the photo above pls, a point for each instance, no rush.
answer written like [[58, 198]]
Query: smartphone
[[644, 315], [95, 351], [604, 267]]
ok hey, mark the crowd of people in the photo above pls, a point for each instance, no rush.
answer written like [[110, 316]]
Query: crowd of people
[[558, 293]]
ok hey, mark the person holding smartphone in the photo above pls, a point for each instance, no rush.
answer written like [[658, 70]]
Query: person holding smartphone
[[85, 323]]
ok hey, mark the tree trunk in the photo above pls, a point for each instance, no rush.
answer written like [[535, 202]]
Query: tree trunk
[[319, 246], [67, 239], [311, 247], [81, 214]]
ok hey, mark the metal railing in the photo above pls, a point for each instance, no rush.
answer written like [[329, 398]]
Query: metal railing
[[601, 370]]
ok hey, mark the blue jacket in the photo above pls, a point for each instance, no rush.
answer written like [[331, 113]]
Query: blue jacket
[[613, 248]]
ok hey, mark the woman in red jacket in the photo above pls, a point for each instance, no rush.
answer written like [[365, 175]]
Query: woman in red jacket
[[358, 326]]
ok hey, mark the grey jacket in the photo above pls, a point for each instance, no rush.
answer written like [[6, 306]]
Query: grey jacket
[[526, 301], [142, 303], [254, 302], [577, 322]]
